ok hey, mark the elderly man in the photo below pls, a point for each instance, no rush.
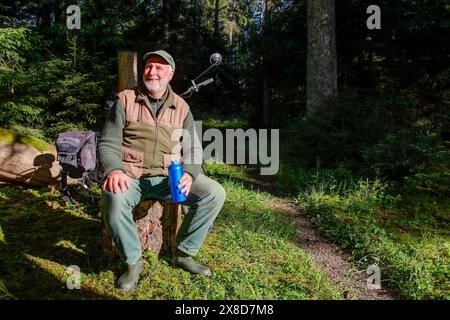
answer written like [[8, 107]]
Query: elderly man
[[139, 140]]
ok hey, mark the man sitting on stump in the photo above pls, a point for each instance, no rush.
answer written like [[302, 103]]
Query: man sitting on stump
[[138, 143]]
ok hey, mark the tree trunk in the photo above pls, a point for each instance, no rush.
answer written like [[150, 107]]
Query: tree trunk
[[157, 224], [74, 42], [321, 71], [166, 18], [266, 72], [216, 22], [231, 36], [58, 11], [198, 14], [266, 98], [44, 19], [170, 10], [128, 78]]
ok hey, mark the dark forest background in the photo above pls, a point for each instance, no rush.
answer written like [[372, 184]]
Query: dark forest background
[[370, 161], [391, 111]]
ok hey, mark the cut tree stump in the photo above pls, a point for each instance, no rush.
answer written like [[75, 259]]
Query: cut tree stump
[[157, 223]]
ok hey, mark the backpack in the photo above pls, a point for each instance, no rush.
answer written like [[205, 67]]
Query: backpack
[[77, 152]]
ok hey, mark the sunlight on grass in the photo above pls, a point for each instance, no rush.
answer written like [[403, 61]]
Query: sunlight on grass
[[10, 136], [219, 123], [4, 293], [251, 252], [226, 172], [2, 236], [252, 257], [361, 216]]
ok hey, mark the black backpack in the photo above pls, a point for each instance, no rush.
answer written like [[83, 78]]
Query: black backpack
[[77, 152]]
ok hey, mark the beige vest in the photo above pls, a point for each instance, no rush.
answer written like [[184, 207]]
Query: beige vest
[[150, 143]]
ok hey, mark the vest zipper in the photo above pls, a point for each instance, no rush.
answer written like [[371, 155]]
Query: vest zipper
[[158, 114], [156, 142]]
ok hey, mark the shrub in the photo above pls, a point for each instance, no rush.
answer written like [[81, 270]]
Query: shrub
[[415, 156], [338, 134]]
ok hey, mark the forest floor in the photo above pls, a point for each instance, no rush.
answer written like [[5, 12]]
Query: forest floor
[[402, 234], [252, 251], [337, 264], [262, 246]]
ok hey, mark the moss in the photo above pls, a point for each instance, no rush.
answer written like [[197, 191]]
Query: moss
[[2, 235], [10, 136]]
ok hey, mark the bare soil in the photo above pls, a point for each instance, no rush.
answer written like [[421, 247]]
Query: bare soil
[[335, 263]]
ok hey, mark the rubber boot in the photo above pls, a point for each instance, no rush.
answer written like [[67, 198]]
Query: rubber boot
[[185, 262], [128, 281]]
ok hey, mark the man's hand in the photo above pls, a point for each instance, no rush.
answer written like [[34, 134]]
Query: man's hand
[[116, 179], [186, 182]]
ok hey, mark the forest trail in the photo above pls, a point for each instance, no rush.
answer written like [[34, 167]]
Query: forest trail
[[334, 262]]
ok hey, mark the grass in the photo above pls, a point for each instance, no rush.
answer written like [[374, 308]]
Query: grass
[[4, 294], [407, 237], [232, 123], [251, 252], [224, 172]]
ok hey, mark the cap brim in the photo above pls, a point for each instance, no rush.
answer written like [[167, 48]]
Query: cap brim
[[148, 55]]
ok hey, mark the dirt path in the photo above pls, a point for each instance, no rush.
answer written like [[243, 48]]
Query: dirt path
[[335, 263]]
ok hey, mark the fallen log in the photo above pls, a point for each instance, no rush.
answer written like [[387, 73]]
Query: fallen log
[[27, 160]]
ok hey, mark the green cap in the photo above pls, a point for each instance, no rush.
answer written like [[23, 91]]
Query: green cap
[[163, 54]]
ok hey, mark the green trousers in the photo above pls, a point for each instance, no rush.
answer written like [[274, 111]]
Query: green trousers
[[205, 200]]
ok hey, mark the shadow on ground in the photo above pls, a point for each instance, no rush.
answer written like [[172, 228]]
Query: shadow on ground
[[39, 239]]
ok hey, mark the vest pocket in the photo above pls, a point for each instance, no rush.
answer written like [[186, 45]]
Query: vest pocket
[[132, 161]]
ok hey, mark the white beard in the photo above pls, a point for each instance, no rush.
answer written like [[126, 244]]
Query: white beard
[[156, 86]]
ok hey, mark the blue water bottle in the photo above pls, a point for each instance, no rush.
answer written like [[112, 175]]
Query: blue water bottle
[[175, 174]]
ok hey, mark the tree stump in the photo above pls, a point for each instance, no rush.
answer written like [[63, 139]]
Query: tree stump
[[157, 223]]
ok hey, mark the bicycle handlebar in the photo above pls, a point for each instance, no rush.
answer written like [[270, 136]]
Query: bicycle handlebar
[[205, 83], [196, 87]]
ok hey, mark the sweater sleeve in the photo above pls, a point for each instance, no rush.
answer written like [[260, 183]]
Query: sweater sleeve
[[192, 148], [110, 145]]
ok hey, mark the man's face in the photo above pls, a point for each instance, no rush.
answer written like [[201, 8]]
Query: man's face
[[157, 75]]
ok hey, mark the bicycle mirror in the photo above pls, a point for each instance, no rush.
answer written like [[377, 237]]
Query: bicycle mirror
[[215, 59]]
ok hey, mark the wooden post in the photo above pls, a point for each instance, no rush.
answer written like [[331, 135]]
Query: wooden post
[[128, 77]]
